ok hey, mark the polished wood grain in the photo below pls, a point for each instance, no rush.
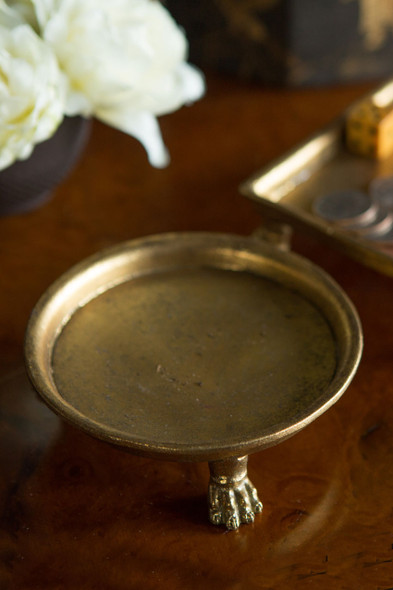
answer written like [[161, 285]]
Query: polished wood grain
[[77, 514]]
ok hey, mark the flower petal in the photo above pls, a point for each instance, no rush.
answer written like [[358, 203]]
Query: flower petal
[[144, 127], [124, 61]]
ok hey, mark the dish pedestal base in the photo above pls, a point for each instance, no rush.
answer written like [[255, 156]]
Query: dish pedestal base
[[233, 500]]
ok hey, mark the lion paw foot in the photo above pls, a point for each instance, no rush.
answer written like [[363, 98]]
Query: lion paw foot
[[233, 505]]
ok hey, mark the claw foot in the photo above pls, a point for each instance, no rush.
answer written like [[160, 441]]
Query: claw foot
[[233, 500]]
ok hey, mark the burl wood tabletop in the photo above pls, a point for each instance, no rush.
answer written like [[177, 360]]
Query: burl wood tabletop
[[79, 514]]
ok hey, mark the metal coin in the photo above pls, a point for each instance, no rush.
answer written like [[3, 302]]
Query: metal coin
[[382, 224], [346, 208], [381, 190]]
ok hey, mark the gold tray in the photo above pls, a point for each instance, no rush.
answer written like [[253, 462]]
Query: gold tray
[[286, 189], [196, 346]]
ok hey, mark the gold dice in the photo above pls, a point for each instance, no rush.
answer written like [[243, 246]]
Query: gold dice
[[369, 130]]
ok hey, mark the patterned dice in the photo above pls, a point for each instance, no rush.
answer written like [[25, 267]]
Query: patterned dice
[[369, 130]]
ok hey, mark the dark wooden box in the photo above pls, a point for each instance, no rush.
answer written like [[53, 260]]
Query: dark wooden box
[[290, 42]]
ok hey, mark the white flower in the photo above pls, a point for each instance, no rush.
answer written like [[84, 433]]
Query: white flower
[[125, 63], [31, 92]]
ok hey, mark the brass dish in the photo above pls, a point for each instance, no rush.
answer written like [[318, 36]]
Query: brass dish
[[285, 190], [192, 347]]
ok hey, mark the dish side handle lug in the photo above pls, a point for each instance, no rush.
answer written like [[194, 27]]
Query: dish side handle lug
[[233, 500], [274, 232]]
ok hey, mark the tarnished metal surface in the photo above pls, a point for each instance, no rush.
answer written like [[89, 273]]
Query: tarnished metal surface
[[193, 346]]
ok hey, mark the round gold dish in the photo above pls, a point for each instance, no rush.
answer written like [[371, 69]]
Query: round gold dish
[[197, 346]]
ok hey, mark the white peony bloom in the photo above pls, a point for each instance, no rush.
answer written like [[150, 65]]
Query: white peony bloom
[[31, 92], [125, 63]]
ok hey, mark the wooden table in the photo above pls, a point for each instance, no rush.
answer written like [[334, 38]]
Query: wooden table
[[77, 514]]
